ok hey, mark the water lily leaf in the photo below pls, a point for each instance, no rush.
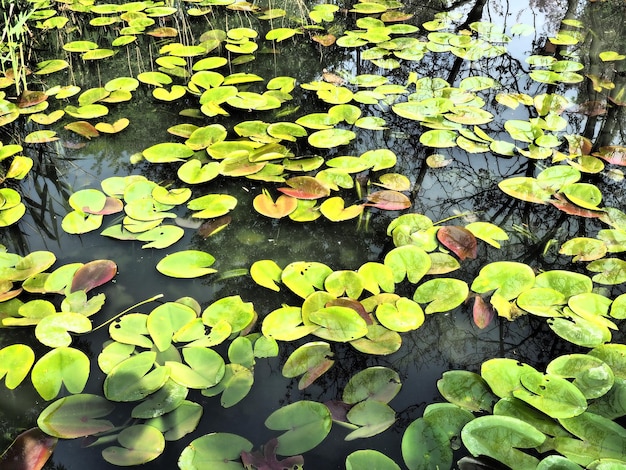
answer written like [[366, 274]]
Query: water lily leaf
[[525, 188], [467, 390], [161, 236], [205, 368], [76, 416], [186, 264], [373, 458], [439, 138], [508, 278], [135, 378], [140, 444], [178, 422], [311, 360], [387, 199], [209, 63], [194, 172], [348, 282], [286, 131], [114, 128], [607, 56], [556, 397], [306, 423], [441, 294], [449, 418], [408, 261], [329, 138], [50, 66], [583, 249], [54, 329], [333, 209], [566, 282], [378, 341], [266, 273], [338, 323], [61, 366], [241, 77], [542, 301], [157, 79], [404, 315], [591, 375], [236, 312], [372, 417], [374, 383], [286, 324], [283, 206], [41, 137], [305, 187], [335, 95], [131, 329], [234, 386], [82, 128], [487, 232], [79, 46], [167, 152], [580, 331], [459, 240], [216, 451], [93, 274], [345, 112], [484, 436], [376, 276], [176, 92], [280, 34], [16, 360], [584, 195], [29, 451], [89, 111], [425, 445], [303, 277], [165, 320]]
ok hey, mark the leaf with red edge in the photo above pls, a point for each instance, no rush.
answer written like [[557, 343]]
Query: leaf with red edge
[[388, 200], [93, 274], [265, 205], [338, 410], [83, 128], [305, 187], [29, 451], [354, 305], [459, 240], [31, 98], [267, 460], [614, 154], [483, 312], [572, 209]]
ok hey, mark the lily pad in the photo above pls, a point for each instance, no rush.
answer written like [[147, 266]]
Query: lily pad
[[216, 451], [186, 264], [61, 366], [140, 444], [310, 360], [76, 416]]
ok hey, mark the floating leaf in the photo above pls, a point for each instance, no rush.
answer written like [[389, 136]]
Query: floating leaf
[[426, 445], [441, 294], [330, 138], [458, 239], [216, 451], [29, 451], [16, 360], [334, 210], [307, 423], [283, 206], [140, 444], [467, 390], [135, 378], [388, 200], [61, 366], [76, 416], [186, 264], [310, 360]]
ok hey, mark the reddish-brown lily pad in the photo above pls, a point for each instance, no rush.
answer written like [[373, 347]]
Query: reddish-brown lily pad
[[305, 187], [614, 154], [483, 313], [388, 200], [459, 240], [29, 451], [93, 274]]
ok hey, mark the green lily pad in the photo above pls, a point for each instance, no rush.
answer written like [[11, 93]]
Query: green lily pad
[[216, 451], [330, 138], [425, 445], [310, 360], [165, 320], [232, 309], [286, 324], [338, 323], [61, 366], [186, 264], [369, 458], [591, 375], [266, 273], [334, 209], [504, 375], [441, 294], [306, 423], [179, 422], [501, 437], [204, 368], [374, 383], [566, 282], [135, 378], [404, 315], [131, 329], [372, 417], [303, 277], [194, 172], [140, 444], [16, 360], [408, 261], [52, 330], [467, 390], [234, 386], [167, 152], [76, 416], [507, 278]]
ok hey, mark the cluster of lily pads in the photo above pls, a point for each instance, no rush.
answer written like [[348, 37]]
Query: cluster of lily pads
[[155, 360]]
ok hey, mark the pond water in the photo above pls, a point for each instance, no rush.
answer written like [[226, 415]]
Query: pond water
[[465, 190]]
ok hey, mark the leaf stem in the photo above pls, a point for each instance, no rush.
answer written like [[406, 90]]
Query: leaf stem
[[151, 299]]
